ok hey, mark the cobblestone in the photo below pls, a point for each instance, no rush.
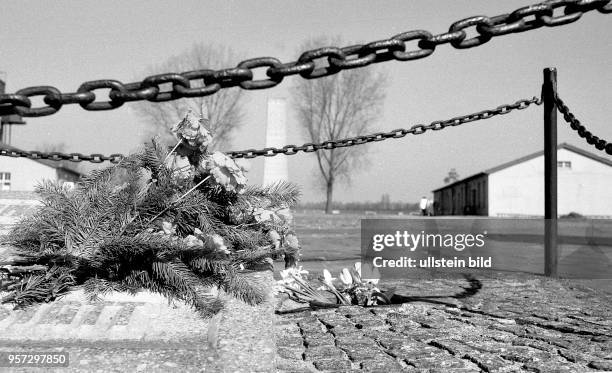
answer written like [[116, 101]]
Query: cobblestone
[[601, 365], [332, 365], [290, 352], [386, 364], [323, 353], [511, 324], [292, 366], [319, 340]]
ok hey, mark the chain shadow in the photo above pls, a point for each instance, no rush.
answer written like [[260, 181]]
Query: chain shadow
[[474, 286]]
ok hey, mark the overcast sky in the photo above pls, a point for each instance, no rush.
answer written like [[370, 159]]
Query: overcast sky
[[64, 43]]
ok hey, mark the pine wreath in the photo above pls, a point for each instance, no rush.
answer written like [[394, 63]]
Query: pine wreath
[[177, 222]]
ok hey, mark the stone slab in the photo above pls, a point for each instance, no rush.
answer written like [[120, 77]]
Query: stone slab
[[141, 333], [145, 316]]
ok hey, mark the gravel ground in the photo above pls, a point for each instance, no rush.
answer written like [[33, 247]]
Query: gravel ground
[[511, 323]]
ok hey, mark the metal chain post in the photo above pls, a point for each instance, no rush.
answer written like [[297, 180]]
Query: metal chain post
[[549, 91]]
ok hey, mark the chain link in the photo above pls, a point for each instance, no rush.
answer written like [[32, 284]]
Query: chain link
[[308, 147], [334, 60], [394, 134], [575, 124], [57, 156]]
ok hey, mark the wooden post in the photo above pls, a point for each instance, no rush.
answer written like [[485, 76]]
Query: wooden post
[[549, 91]]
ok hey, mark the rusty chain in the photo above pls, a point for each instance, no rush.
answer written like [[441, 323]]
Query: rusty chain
[[207, 82], [575, 124], [308, 147]]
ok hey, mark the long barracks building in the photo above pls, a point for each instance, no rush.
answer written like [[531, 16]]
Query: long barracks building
[[516, 188]]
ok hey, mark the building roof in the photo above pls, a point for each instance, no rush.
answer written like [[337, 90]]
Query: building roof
[[528, 157], [60, 165]]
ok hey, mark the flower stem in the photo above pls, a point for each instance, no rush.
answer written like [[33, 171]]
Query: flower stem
[[181, 197], [192, 189], [172, 151]]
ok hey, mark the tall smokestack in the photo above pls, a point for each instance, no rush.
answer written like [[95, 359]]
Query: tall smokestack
[[276, 168]]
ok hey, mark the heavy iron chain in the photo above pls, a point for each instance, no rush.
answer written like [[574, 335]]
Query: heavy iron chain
[[331, 60], [575, 124], [57, 156], [308, 147], [394, 134]]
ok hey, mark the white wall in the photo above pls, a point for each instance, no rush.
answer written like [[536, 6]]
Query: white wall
[[26, 173], [585, 188]]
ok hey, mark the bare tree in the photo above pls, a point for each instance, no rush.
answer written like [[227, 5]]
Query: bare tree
[[335, 107], [225, 108]]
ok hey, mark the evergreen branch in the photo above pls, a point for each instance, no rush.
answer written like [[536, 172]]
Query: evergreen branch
[[250, 291], [209, 265], [178, 276], [279, 193], [96, 287], [252, 256], [41, 287], [100, 235], [241, 238], [129, 252]]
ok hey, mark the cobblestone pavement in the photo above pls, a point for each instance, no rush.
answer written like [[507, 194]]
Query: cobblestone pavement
[[506, 324]]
